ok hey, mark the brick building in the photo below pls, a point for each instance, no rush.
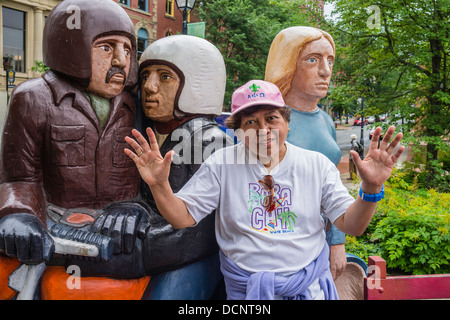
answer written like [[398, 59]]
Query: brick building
[[21, 29], [153, 19]]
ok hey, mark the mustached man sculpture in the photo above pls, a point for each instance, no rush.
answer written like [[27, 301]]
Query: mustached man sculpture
[[62, 153]]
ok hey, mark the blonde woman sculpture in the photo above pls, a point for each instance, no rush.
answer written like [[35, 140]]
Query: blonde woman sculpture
[[300, 63]]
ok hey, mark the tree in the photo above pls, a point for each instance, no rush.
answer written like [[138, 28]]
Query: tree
[[39, 66], [243, 31], [395, 54]]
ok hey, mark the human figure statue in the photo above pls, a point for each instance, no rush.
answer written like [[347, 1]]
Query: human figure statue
[[300, 63], [182, 89], [356, 146], [64, 137]]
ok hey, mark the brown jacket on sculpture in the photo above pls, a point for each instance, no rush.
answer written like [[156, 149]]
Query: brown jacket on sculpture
[[55, 149], [53, 145]]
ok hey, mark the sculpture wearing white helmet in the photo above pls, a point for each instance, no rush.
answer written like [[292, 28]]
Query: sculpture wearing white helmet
[[182, 87], [201, 69]]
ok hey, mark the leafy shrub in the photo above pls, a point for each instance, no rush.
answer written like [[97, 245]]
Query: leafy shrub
[[39, 66], [410, 229], [416, 170]]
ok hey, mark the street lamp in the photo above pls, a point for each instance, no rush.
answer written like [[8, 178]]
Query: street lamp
[[185, 6]]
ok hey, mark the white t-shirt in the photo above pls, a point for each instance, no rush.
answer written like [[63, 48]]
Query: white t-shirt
[[289, 238]]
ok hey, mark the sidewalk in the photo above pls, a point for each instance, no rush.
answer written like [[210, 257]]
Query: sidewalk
[[344, 126], [343, 169]]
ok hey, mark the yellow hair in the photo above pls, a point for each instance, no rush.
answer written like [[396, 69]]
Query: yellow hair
[[284, 51]]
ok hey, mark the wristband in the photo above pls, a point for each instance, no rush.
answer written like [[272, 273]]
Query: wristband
[[371, 197]]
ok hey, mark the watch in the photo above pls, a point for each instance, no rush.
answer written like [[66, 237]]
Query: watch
[[371, 197]]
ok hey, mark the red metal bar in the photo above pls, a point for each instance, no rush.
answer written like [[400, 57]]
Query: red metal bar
[[379, 287]]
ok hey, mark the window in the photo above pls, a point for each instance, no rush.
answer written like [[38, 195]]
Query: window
[[14, 38], [142, 42], [142, 5], [170, 8], [125, 2]]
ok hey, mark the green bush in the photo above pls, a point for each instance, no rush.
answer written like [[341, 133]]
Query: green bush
[[39, 66], [417, 172], [410, 229]]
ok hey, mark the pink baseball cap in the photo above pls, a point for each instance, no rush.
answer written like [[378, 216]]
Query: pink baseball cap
[[256, 92]]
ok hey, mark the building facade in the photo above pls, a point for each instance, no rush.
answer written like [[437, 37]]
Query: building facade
[[169, 18], [144, 15], [21, 29], [154, 19]]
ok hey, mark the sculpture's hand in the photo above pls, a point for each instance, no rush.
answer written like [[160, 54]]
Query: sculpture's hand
[[153, 168], [23, 236], [338, 260], [123, 222]]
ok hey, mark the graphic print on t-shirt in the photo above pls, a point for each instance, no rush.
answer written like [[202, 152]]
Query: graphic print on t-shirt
[[269, 209]]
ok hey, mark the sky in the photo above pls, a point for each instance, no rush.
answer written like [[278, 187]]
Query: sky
[[328, 7]]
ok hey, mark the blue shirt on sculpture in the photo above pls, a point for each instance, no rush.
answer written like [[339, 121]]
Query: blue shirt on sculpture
[[315, 131]]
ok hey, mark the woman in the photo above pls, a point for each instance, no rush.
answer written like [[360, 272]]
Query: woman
[[300, 63], [268, 223]]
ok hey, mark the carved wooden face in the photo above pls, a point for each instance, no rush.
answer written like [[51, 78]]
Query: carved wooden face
[[160, 84], [314, 69], [111, 57]]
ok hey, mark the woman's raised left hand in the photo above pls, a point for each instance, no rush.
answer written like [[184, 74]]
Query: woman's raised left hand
[[377, 166]]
